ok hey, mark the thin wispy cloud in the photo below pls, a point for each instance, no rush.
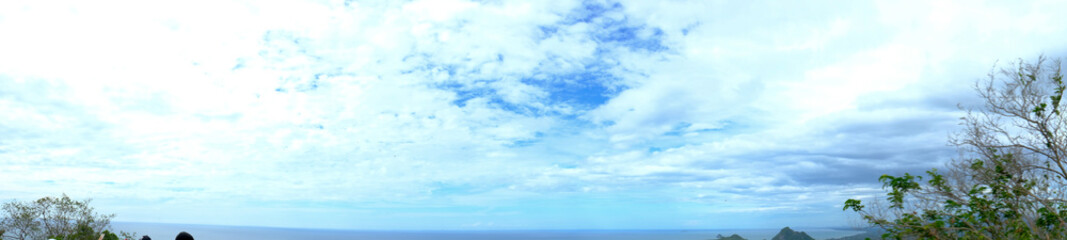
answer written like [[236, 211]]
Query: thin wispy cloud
[[490, 115]]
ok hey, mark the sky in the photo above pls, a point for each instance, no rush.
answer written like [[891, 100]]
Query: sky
[[486, 115]]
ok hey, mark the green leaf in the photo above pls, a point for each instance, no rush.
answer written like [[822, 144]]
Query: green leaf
[[854, 204]]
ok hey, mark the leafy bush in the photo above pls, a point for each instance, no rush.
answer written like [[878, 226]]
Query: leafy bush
[[1010, 185], [60, 218]]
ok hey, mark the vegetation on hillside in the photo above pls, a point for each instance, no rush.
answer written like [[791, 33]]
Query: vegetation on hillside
[[1008, 184], [784, 234], [788, 234], [731, 237], [60, 218]]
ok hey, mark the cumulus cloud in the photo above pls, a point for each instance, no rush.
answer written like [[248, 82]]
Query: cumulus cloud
[[460, 112]]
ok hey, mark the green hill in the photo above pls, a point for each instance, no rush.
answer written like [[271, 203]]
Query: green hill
[[731, 237], [789, 234]]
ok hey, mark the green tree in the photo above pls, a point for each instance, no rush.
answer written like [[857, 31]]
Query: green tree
[[20, 221], [108, 235], [53, 217], [127, 235], [1010, 182]]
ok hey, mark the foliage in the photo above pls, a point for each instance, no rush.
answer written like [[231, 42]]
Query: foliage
[[788, 234], [53, 217], [1009, 185], [127, 235], [82, 232]]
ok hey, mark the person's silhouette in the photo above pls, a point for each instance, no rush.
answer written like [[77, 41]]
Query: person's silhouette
[[184, 236]]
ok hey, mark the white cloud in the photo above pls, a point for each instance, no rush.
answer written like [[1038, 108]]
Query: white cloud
[[319, 105]]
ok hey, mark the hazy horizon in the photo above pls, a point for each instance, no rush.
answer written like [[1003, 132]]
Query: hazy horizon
[[483, 115], [255, 232], [858, 228]]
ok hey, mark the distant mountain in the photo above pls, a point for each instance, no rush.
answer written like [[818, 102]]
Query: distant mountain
[[731, 237], [874, 233], [789, 234]]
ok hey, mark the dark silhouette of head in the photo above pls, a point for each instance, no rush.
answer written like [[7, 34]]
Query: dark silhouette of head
[[145, 237], [184, 236]]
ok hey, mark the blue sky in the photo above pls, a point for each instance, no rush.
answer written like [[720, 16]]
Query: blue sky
[[492, 114]]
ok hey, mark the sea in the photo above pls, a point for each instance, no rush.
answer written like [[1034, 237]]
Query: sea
[[165, 231]]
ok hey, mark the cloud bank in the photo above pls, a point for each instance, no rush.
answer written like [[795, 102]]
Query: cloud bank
[[491, 115]]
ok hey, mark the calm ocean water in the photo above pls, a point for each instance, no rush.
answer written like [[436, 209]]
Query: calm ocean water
[[159, 231]]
